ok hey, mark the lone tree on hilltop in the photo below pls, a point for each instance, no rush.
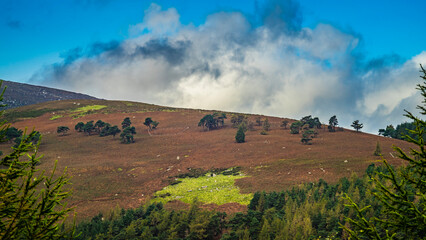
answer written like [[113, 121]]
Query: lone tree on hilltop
[[357, 125], [332, 123], [240, 136], [126, 123], [63, 130]]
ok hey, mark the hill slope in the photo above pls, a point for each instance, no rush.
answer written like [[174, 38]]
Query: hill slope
[[22, 94], [106, 173]]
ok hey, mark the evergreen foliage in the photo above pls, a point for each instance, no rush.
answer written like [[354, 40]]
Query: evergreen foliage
[[401, 131], [238, 119], [155, 124], [33, 139], [357, 125], [378, 151], [126, 123], [401, 192], [332, 124], [154, 222], [127, 135], [31, 204], [79, 126], [212, 121], [99, 125], [89, 128], [311, 122], [284, 124], [295, 127], [307, 136], [62, 129], [311, 211], [148, 122], [258, 121], [240, 135], [266, 125]]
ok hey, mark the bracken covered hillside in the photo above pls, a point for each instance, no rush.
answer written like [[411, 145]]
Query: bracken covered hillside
[[106, 173]]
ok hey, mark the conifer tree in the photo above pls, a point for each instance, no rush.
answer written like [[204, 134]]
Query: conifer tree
[[402, 192], [378, 151], [240, 136], [31, 203]]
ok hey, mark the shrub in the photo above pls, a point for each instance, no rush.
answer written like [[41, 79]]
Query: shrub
[[240, 136], [378, 151]]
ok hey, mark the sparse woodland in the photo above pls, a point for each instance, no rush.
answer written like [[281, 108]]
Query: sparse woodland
[[383, 203]]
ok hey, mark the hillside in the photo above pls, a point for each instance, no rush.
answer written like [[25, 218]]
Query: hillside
[[106, 173], [22, 94]]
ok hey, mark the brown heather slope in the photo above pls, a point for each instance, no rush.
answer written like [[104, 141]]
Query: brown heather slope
[[106, 173]]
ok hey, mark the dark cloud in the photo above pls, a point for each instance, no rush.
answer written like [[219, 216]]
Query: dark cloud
[[173, 53], [71, 55], [98, 48], [387, 61]]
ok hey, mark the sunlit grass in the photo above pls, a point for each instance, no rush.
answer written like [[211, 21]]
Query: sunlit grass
[[82, 111], [56, 117], [219, 189], [89, 108]]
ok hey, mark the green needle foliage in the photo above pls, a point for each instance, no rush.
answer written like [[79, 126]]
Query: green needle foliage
[[240, 136], [401, 192], [31, 203]]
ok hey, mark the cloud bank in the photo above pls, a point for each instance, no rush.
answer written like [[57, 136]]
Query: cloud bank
[[271, 65]]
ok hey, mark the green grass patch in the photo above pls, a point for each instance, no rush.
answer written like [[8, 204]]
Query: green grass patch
[[219, 189], [56, 117], [89, 108]]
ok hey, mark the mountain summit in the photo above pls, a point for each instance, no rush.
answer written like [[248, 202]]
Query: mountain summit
[[22, 94]]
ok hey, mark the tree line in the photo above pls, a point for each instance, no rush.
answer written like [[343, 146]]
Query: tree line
[[314, 210]]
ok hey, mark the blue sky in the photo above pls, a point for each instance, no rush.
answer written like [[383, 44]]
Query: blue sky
[[353, 45], [35, 33]]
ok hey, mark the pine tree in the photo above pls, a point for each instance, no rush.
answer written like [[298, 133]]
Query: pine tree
[[378, 151], [31, 204], [401, 192], [266, 125], [240, 136], [126, 123]]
